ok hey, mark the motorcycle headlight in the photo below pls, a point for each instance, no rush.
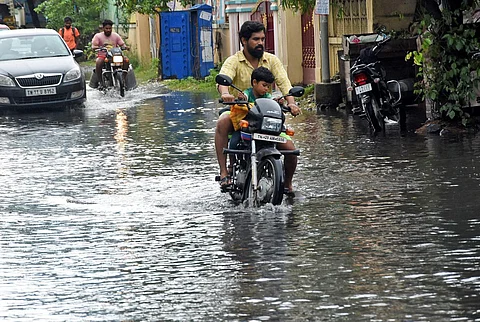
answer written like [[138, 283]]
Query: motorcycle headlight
[[73, 74], [118, 59], [6, 81], [271, 124]]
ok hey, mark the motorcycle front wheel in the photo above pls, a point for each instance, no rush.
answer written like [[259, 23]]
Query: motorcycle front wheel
[[374, 115], [270, 182], [120, 83], [107, 80]]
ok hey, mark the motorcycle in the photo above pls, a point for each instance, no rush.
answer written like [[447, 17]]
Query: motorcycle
[[257, 169], [379, 100], [113, 73]]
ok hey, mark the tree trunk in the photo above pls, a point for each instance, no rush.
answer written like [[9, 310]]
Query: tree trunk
[[31, 8]]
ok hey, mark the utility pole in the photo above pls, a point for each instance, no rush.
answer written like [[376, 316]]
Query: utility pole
[[327, 94], [324, 48]]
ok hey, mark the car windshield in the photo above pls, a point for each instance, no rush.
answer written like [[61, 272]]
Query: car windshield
[[33, 46]]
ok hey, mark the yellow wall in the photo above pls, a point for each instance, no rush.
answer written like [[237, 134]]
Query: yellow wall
[[394, 17], [139, 37], [291, 25], [222, 50]]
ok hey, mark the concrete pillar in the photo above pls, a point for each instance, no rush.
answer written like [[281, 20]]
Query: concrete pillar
[[328, 95]]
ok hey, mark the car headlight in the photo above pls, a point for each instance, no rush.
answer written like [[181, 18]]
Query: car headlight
[[6, 81], [73, 74], [271, 124]]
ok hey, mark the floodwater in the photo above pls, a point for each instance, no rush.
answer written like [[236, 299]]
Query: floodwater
[[111, 213]]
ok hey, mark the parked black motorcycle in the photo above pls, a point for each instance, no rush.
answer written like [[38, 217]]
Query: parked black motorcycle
[[113, 73], [378, 99], [257, 164]]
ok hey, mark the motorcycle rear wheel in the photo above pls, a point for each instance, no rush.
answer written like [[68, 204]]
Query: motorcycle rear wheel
[[395, 113], [270, 182], [120, 83], [374, 115]]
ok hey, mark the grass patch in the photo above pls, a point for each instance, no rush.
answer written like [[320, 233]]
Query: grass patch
[[190, 84], [147, 72], [87, 63], [309, 90], [193, 85]]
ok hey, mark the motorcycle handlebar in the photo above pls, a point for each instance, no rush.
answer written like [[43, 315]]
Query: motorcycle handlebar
[[106, 49], [380, 44], [286, 109], [233, 103]]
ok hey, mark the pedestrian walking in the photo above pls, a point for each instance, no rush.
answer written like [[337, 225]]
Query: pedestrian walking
[[70, 34]]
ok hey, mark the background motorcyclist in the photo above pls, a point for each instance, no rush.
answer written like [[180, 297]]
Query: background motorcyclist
[[106, 39], [239, 68]]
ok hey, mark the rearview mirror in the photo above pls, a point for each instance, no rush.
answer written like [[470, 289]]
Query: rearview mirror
[[224, 80], [296, 91], [77, 53]]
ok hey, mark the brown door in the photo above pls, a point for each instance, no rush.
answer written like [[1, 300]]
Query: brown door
[[264, 15], [308, 49]]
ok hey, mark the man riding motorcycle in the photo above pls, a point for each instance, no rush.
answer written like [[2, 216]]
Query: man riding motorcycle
[[239, 68], [107, 39]]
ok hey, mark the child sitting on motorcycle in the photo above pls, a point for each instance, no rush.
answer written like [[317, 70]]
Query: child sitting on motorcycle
[[261, 80]]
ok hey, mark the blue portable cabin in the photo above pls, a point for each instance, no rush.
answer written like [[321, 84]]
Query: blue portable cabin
[[175, 44], [187, 42], [201, 15]]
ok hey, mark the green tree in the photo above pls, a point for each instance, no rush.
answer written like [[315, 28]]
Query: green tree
[[86, 14], [148, 6]]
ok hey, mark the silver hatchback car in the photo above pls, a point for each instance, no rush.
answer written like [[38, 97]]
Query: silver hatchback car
[[38, 70]]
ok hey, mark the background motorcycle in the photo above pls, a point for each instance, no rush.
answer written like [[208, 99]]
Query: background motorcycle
[[257, 167], [113, 73], [379, 100]]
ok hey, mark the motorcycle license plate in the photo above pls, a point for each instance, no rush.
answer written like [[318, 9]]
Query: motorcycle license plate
[[363, 88], [270, 138]]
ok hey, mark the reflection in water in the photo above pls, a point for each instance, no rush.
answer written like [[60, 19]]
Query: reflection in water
[[121, 127], [121, 131], [112, 214]]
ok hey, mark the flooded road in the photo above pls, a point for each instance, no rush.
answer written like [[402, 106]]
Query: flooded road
[[111, 213]]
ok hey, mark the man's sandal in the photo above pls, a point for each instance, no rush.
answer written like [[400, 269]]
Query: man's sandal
[[225, 183]]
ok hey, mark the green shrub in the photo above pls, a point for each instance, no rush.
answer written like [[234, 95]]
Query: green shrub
[[446, 65]]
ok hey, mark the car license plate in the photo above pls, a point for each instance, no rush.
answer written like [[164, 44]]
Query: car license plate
[[271, 138], [363, 88], [41, 91]]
